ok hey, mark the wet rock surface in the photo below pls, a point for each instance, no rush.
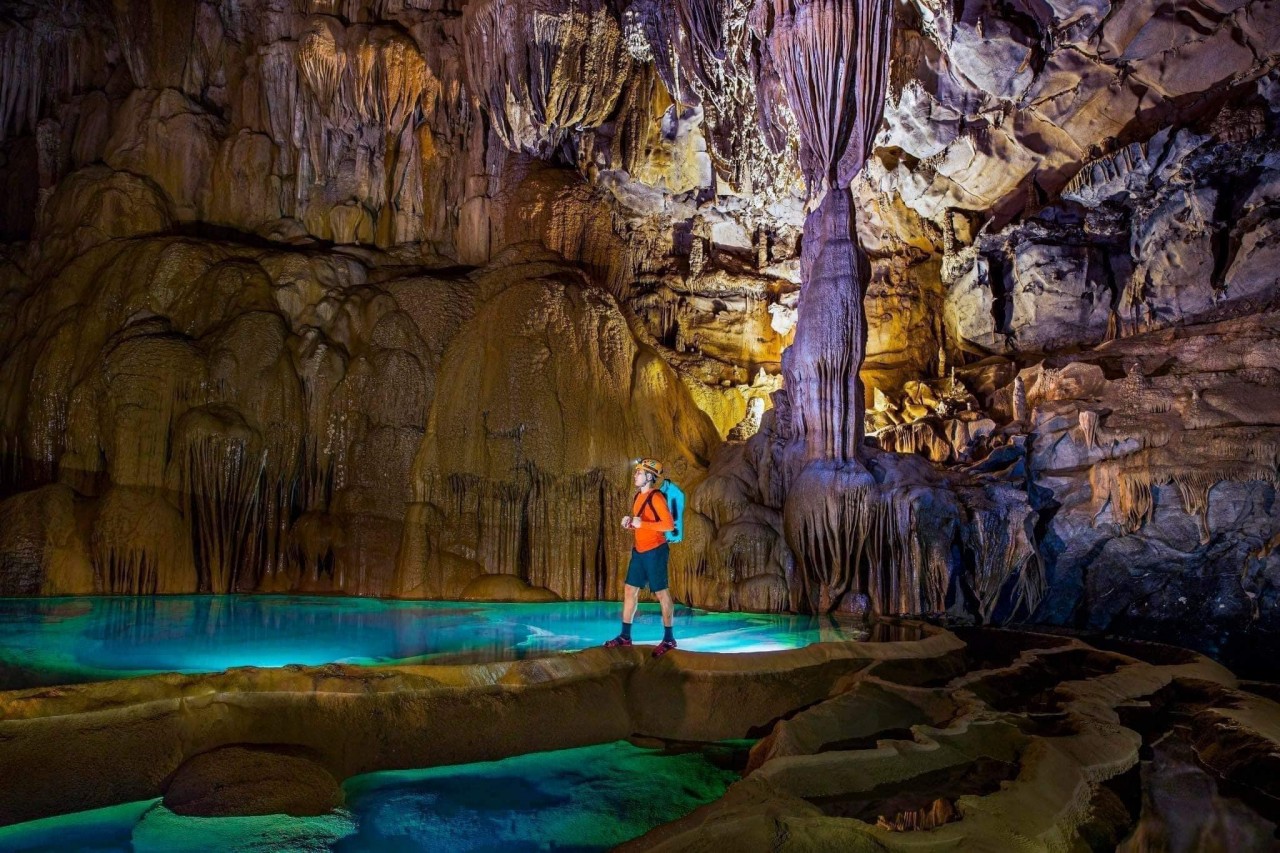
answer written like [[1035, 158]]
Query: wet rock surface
[[251, 781], [353, 720], [1057, 745], [930, 743]]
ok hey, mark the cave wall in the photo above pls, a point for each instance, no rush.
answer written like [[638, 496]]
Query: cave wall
[[1103, 181], [311, 296]]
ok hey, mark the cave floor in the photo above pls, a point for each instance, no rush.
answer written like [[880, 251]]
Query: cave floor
[[974, 739]]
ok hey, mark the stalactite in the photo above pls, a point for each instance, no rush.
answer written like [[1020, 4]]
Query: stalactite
[[573, 549], [708, 57], [1001, 552], [555, 532], [916, 437], [676, 52], [221, 466], [1128, 483], [542, 69], [355, 93], [704, 20], [41, 61], [832, 57], [279, 102], [140, 545]]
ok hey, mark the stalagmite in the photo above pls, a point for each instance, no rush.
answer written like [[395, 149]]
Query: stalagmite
[[750, 423], [1088, 426], [1020, 409]]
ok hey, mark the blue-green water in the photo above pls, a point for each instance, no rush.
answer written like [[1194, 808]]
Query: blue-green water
[[68, 640], [584, 799]]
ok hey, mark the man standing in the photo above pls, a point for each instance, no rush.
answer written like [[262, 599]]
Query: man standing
[[650, 519]]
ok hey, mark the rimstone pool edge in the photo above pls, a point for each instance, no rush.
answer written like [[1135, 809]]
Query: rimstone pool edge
[[1066, 751], [67, 749]]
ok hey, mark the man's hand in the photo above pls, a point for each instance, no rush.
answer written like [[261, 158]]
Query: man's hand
[[626, 522]]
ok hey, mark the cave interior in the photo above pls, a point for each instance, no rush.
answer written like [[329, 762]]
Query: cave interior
[[331, 332]]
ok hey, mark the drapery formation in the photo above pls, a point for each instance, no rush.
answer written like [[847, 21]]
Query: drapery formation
[[832, 59], [714, 66], [686, 39], [544, 68]]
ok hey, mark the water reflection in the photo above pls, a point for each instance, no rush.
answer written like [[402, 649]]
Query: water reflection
[[84, 639]]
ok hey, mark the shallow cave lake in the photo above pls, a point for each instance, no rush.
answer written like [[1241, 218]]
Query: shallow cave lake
[[70, 640], [589, 798]]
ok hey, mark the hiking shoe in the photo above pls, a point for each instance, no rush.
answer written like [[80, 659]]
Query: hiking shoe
[[616, 642], [663, 647]]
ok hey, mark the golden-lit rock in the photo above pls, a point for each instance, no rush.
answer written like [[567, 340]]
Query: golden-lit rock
[[240, 243], [505, 588], [543, 399]]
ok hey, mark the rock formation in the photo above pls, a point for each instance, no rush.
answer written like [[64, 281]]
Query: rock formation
[[1051, 744], [976, 739], [382, 297], [833, 60]]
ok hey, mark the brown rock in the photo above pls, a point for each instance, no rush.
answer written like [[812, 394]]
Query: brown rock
[[241, 781], [505, 588]]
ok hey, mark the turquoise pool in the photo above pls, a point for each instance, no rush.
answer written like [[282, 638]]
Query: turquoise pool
[[70, 640], [584, 799]]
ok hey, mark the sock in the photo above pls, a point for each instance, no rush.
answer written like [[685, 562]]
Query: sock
[[667, 636], [626, 630]]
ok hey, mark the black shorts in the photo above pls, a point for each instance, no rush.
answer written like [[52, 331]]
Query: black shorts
[[649, 567]]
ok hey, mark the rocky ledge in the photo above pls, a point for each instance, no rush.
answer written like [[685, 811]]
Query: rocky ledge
[[972, 738]]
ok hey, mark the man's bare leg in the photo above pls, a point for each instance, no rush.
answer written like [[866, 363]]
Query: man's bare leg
[[668, 613], [630, 600], [668, 607]]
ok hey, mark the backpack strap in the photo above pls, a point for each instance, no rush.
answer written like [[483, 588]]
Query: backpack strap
[[648, 504]]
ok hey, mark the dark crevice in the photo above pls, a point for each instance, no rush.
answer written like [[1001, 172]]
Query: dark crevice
[[923, 801], [998, 280], [1225, 240]]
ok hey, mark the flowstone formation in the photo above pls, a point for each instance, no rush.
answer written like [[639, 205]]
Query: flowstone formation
[[931, 307], [976, 739], [1031, 741]]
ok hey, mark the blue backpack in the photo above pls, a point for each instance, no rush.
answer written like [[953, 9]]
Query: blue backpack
[[675, 503]]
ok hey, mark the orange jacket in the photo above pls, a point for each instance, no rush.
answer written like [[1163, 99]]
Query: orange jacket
[[655, 519]]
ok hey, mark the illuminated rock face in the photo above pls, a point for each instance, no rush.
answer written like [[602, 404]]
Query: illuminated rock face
[[541, 401], [272, 264]]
